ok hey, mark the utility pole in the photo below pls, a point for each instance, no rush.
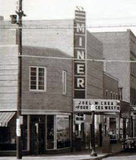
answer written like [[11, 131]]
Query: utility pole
[[17, 19], [92, 131]]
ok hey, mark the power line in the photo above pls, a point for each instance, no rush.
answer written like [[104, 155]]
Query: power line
[[8, 74], [9, 64], [88, 18], [8, 92], [7, 86], [69, 27], [8, 69], [70, 58]]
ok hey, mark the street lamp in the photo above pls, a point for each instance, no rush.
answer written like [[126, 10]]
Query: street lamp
[[92, 129], [17, 19]]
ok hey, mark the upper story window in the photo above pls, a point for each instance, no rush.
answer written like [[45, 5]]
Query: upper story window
[[106, 93], [116, 95], [111, 95], [120, 93], [64, 82], [37, 79]]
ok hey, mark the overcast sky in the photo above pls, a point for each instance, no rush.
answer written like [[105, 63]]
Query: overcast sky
[[99, 12]]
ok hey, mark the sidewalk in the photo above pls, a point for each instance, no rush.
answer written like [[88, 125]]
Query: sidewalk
[[58, 157], [84, 155]]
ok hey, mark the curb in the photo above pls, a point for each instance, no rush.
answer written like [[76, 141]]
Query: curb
[[104, 156]]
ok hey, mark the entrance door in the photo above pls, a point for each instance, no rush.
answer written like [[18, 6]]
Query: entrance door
[[37, 135]]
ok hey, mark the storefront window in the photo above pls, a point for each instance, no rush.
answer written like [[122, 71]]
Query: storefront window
[[50, 132], [8, 136], [63, 131]]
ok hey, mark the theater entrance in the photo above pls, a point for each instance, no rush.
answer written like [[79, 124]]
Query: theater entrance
[[96, 112]]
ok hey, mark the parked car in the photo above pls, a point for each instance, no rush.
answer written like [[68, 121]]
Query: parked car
[[130, 143]]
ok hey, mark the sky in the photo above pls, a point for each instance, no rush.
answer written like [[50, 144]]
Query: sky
[[99, 12]]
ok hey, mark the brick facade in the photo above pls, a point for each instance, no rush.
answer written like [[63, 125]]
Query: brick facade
[[116, 46], [110, 90], [53, 99]]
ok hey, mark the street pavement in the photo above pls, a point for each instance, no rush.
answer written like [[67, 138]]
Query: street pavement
[[123, 156]]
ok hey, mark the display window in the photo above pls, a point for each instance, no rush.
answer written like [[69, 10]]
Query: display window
[[58, 131], [8, 136], [62, 131]]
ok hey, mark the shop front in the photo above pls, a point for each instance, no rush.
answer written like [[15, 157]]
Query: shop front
[[47, 133], [126, 128], [7, 131], [40, 133]]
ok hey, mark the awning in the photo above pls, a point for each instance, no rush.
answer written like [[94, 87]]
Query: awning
[[5, 117], [125, 109]]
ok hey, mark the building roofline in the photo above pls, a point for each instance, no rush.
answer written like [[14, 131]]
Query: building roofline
[[108, 74], [131, 33], [127, 31], [69, 19], [110, 31], [47, 49]]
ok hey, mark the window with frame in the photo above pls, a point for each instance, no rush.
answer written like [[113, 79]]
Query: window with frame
[[111, 95], [64, 82], [120, 93], [106, 93], [38, 78], [116, 95]]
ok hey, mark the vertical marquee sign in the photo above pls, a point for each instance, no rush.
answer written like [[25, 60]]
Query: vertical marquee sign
[[79, 54]]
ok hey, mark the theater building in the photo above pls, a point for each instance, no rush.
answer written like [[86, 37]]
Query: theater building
[[71, 37]]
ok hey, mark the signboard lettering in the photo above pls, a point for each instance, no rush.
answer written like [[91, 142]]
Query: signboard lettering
[[80, 27], [79, 54], [79, 68], [80, 83], [97, 105]]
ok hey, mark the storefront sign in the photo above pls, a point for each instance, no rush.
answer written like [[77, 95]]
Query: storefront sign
[[97, 105], [79, 54], [18, 129], [79, 118]]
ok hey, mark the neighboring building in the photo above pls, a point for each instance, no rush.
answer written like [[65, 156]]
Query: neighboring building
[[8, 95], [8, 87], [110, 91], [46, 99], [110, 88], [120, 47], [94, 69]]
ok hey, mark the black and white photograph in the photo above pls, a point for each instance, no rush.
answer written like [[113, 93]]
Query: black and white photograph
[[68, 79]]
